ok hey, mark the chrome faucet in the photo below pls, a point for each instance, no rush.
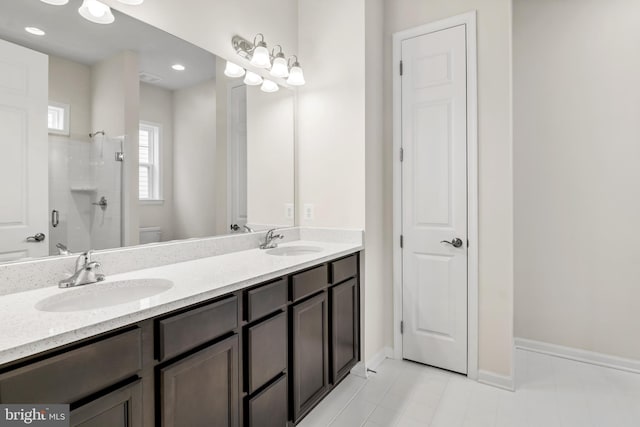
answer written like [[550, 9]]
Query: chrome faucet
[[269, 239], [85, 272]]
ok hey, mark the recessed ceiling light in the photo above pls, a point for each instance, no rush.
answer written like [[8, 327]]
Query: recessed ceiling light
[[35, 31], [178, 67], [55, 2]]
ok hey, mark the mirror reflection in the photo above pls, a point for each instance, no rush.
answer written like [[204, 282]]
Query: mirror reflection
[[122, 134]]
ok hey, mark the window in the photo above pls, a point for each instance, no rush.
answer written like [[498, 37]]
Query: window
[[149, 159], [58, 118]]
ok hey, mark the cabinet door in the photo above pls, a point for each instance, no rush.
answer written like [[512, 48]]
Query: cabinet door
[[310, 353], [121, 408], [344, 328], [202, 389]]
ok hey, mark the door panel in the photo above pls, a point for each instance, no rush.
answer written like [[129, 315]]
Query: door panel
[[434, 198], [24, 146]]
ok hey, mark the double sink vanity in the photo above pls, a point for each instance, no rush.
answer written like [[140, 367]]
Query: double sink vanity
[[244, 337]]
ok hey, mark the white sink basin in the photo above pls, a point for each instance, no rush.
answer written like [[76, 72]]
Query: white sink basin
[[100, 295], [294, 250]]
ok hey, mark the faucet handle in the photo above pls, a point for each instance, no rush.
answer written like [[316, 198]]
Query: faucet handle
[[92, 265]]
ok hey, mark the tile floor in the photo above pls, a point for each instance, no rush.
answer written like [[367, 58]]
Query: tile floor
[[551, 392]]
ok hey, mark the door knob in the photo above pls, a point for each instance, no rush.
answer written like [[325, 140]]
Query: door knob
[[39, 237], [456, 242]]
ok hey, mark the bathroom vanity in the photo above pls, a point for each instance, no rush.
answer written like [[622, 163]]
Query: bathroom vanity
[[262, 352]]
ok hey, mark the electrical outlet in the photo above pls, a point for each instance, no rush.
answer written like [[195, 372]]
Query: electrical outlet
[[308, 211], [288, 210]]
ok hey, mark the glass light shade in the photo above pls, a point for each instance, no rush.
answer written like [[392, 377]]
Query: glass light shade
[[97, 12], [232, 70], [132, 2], [252, 79], [296, 76], [279, 68], [55, 2], [269, 86], [261, 57]]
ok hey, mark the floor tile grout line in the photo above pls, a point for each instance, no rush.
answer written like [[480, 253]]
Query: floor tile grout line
[[348, 402]]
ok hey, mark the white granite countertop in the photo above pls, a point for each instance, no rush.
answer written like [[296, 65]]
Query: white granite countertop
[[25, 330]]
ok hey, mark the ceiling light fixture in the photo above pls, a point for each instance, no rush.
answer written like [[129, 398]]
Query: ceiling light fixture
[[55, 2], [178, 67], [269, 86], [258, 55], [96, 12], [233, 70], [35, 31], [252, 79]]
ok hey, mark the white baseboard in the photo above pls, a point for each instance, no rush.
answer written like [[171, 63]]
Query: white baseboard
[[375, 360], [599, 359], [496, 380]]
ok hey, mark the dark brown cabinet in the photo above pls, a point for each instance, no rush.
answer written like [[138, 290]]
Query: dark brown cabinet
[[120, 408], [344, 328], [269, 407], [310, 348], [202, 389]]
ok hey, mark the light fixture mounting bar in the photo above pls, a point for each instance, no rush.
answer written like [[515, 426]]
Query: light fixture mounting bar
[[242, 46]]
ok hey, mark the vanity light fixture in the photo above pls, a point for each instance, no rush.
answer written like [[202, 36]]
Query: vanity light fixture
[[269, 86], [233, 70], [55, 2], [96, 12], [178, 67], [279, 68], [252, 79], [260, 57], [296, 76], [35, 31]]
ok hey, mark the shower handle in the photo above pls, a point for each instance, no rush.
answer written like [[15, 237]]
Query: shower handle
[[102, 202]]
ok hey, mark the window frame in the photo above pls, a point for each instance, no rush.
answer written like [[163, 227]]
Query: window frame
[[154, 167], [66, 111]]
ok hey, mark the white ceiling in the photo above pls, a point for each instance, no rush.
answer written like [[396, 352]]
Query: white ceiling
[[72, 37]]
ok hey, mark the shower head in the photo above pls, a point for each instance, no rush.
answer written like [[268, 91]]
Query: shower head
[[100, 132]]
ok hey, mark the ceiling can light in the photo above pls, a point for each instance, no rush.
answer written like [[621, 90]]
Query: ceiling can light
[[233, 70], [35, 31], [261, 57], [55, 2], [269, 86], [96, 12], [252, 79], [296, 76], [178, 67]]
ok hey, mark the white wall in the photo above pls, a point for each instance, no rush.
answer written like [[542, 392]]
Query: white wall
[[576, 111], [194, 160], [156, 106], [270, 167], [495, 162]]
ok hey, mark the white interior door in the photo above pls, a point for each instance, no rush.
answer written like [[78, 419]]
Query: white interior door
[[237, 155], [24, 166], [434, 199]]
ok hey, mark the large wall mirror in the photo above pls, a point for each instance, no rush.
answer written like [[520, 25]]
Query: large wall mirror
[[122, 134]]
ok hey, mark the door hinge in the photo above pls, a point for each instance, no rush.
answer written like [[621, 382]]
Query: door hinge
[[401, 327], [401, 68], [401, 154], [401, 241]]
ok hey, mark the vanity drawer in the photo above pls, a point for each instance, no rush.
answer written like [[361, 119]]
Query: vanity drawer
[[269, 408], [266, 299], [266, 350], [344, 269], [187, 330], [76, 373], [309, 282]]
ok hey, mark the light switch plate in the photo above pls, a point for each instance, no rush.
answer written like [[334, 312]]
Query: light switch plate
[[288, 210], [307, 211]]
